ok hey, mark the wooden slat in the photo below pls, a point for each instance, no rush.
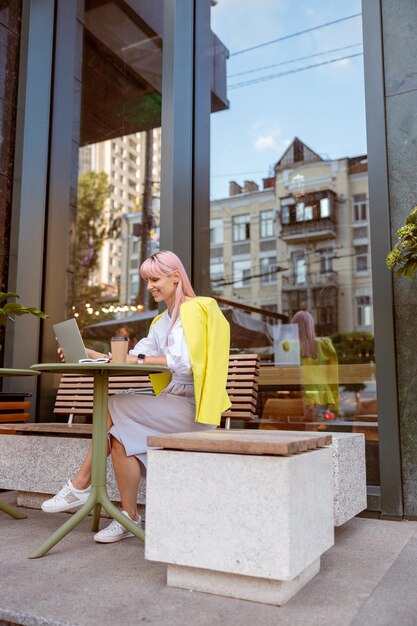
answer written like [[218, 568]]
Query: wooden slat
[[14, 417], [48, 428], [295, 375], [7, 406]]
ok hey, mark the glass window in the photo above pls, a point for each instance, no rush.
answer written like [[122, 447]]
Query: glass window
[[217, 276], [134, 284], [267, 225], [299, 270], [299, 212], [326, 261], [120, 108], [308, 212], [241, 227], [363, 312], [268, 270], [360, 208], [216, 231], [361, 258], [285, 215], [324, 207], [241, 273], [304, 161]]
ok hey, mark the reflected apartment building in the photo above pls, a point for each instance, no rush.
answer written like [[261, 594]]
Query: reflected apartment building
[[300, 242], [124, 160]]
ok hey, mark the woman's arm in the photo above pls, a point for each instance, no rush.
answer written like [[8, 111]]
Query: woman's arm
[[131, 358], [155, 360]]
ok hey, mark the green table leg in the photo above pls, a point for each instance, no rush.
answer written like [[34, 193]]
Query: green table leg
[[96, 517], [10, 510], [98, 494], [63, 530], [118, 515]]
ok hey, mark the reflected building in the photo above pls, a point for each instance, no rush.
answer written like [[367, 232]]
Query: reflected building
[[123, 159], [300, 242]]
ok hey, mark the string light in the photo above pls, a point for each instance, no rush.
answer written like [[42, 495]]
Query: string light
[[121, 308]]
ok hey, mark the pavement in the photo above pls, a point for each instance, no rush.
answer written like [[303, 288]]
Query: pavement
[[368, 578]]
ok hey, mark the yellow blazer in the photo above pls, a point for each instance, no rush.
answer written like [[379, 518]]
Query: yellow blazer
[[207, 334]]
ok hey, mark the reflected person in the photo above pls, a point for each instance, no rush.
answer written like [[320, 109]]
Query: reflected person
[[320, 384]]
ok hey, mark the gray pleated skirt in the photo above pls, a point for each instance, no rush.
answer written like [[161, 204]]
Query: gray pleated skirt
[[135, 417]]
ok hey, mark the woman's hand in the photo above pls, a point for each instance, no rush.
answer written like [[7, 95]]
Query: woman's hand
[[61, 354]]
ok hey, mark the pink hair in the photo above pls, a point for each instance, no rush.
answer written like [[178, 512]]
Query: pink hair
[[165, 263], [307, 333]]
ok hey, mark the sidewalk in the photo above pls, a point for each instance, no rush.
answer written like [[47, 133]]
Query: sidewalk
[[368, 578]]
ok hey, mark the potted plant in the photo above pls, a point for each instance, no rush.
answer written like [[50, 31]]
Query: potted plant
[[403, 257]]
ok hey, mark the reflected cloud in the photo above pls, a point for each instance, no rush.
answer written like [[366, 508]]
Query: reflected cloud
[[267, 136]]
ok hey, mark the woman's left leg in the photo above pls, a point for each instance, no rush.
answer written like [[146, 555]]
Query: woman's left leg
[[127, 472]]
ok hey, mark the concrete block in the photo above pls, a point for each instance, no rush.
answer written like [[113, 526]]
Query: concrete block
[[262, 590], [35, 464], [267, 517], [349, 476]]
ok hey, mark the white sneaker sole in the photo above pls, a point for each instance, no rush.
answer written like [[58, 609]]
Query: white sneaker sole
[[63, 508], [113, 539]]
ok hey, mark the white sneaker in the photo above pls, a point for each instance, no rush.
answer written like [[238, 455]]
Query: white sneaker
[[115, 531], [67, 498]]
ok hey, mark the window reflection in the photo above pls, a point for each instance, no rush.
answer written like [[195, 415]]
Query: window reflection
[[116, 211], [296, 220]]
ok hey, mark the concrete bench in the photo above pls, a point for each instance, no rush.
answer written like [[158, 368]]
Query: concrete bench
[[252, 517], [37, 466]]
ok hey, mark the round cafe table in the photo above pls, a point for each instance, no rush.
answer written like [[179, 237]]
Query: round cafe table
[[98, 497], [7, 371]]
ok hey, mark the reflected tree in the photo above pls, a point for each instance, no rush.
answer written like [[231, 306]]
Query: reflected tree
[[91, 232]]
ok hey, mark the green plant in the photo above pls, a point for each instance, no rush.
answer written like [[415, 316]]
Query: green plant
[[14, 308], [403, 256]]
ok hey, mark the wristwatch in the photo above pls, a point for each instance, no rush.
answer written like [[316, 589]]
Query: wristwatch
[[141, 359]]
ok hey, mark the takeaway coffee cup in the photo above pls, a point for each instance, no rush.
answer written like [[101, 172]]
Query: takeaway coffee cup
[[119, 348]]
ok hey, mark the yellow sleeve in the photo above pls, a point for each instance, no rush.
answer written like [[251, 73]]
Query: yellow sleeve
[[207, 333]]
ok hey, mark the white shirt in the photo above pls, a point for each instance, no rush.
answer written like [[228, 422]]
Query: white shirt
[[175, 350]]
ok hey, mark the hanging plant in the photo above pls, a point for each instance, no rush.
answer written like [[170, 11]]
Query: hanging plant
[[14, 308], [403, 257]]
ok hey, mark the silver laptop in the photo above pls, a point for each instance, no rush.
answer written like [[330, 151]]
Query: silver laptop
[[70, 340]]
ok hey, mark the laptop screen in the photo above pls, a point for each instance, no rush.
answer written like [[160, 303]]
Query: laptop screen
[[70, 340]]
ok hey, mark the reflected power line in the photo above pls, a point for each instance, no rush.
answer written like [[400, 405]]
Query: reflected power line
[[261, 79], [297, 34]]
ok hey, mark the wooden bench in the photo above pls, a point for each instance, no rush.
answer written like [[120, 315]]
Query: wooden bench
[[75, 397]]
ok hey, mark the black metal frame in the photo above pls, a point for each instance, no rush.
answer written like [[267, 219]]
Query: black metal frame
[[391, 500], [30, 180], [177, 129]]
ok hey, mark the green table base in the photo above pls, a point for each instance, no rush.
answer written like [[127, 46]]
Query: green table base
[[98, 496], [10, 510]]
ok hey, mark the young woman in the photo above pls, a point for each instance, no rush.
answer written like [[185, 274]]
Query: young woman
[[192, 339]]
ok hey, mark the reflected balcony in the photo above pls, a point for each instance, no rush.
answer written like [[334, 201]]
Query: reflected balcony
[[316, 230], [316, 280]]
